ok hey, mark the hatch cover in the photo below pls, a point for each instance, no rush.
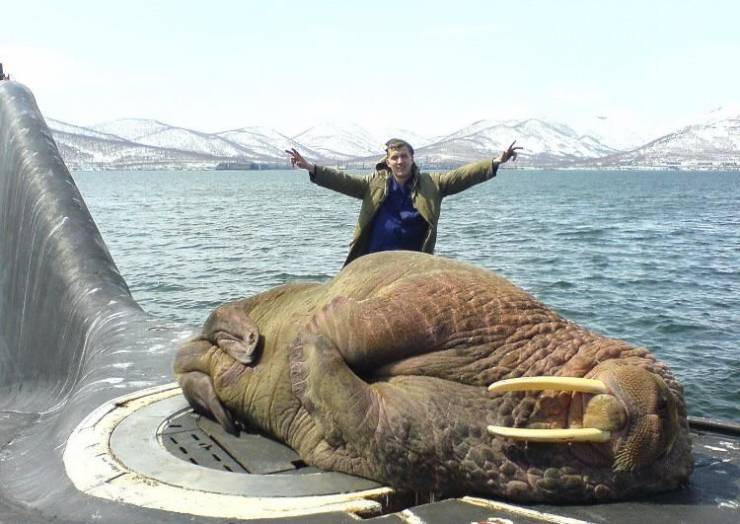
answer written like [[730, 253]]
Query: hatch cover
[[148, 448]]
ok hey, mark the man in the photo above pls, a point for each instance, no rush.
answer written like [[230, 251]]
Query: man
[[400, 204]]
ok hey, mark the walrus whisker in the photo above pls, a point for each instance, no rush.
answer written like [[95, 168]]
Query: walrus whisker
[[551, 435], [582, 385]]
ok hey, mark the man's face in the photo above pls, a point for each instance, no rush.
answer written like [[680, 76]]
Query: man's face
[[400, 161]]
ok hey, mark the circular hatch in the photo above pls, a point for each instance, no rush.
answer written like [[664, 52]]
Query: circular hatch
[[148, 448]]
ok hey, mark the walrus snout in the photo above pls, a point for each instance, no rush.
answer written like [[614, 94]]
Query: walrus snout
[[627, 408], [652, 421]]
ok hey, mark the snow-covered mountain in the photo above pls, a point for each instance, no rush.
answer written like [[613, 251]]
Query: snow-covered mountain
[[186, 140], [349, 141], [340, 141], [149, 144], [545, 143], [712, 142], [157, 134], [64, 127], [83, 152], [615, 132], [268, 143], [416, 139], [130, 128]]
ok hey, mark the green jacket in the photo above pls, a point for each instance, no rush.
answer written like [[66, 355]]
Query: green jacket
[[428, 190]]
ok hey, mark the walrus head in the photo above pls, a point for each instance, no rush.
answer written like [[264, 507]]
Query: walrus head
[[620, 414]]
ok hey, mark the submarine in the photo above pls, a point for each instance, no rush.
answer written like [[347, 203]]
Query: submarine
[[93, 427]]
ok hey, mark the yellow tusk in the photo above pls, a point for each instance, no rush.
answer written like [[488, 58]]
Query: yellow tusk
[[551, 435], [583, 385]]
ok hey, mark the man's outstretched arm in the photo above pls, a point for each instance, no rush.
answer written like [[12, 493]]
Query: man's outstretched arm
[[330, 178], [471, 174]]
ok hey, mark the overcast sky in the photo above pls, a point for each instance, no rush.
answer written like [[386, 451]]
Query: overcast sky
[[427, 66]]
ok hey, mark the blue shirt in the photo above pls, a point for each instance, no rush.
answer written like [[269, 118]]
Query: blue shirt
[[397, 224]]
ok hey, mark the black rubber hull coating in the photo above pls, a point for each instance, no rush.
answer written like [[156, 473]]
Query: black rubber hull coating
[[71, 335]]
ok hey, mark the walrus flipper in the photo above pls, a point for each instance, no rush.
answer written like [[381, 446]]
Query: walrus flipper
[[338, 400], [375, 430], [379, 331], [198, 389], [192, 369]]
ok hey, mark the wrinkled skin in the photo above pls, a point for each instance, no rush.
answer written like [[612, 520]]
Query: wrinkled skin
[[382, 372]]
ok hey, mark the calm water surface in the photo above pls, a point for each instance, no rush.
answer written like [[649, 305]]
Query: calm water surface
[[649, 257]]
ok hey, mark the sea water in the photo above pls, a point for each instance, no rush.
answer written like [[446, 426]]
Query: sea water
[[649, 257]]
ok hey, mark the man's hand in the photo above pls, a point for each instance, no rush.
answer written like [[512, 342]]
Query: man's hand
[[504, 157], [297, 160]]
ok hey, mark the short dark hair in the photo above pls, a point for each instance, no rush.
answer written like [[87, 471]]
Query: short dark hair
[[397, 143]]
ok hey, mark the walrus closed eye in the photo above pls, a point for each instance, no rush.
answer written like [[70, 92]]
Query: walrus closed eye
[[384, 372]]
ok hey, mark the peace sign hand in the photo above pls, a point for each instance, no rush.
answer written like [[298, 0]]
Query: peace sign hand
[[511, 152], [297, 160]]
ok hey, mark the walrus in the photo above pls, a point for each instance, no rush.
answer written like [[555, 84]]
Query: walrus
[[384, 372]]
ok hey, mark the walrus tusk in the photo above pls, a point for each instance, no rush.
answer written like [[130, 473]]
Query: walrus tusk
[[582, 385], [551, 435]]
